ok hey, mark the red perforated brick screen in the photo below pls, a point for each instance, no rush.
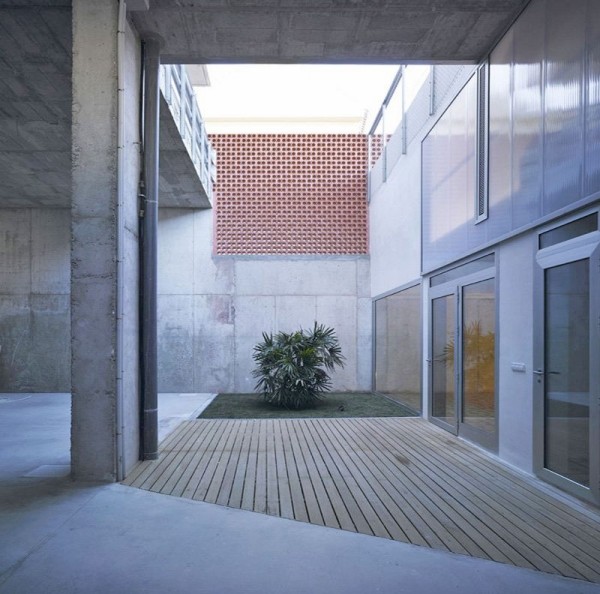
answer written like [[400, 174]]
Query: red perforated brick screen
[[291, 194]]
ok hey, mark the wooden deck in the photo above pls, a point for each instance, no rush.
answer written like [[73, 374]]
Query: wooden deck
[[398, 478]]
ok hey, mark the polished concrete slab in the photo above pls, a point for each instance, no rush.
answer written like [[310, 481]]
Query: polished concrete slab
[[59, 536]]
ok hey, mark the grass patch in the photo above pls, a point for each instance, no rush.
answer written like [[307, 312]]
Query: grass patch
[[335, 405]]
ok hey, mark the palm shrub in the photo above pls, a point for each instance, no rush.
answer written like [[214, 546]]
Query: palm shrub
[[292, 367]]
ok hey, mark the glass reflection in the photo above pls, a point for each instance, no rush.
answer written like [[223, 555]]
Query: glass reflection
[[478, 355], [443, 328], [398, 347], [567, 390]]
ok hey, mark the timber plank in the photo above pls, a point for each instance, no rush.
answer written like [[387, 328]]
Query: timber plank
[[179, 482], [227, 453], [337, 471], [286, 508], [180, 434], [380, 520], [397, 478], [297, 496], [210, 465], [396, 482], [229, 476], [179, 458], [536, 541], [343, 518], [316, 479], [249, 485], [514, 488], [512, 541], [308, 491]]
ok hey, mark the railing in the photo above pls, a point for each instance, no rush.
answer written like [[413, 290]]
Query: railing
[[413, 98], [179, 95]]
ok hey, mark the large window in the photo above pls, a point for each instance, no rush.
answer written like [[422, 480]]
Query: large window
[[398, 347]]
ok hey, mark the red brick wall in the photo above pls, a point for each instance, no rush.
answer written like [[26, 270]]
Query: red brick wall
[[291, 194]]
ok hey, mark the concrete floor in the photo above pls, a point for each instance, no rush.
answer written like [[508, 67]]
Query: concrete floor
[[58, 536]]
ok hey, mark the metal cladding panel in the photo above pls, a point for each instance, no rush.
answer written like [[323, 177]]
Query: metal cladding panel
[[527, 172], [563, 103], [592, 123], [448, 185], [544, 132], [500, 138]]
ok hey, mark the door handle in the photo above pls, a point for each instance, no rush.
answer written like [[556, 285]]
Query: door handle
[[541, 372], [538, 372]]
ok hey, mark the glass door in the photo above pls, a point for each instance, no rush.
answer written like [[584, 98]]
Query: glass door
[[566, 383], [477, 405], [462, 355], [567, 367], [443, 361]]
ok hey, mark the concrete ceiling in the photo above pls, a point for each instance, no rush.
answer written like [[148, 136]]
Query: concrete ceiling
[[372, 31], [35, 59], [35, 106]]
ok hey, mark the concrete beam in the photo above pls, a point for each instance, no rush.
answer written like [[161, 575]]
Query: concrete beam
[[402, 31]]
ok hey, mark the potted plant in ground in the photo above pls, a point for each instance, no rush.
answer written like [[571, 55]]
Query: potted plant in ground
[[292, 368]]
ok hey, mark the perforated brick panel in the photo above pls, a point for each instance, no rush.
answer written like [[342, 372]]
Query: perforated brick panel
[[291, 194]]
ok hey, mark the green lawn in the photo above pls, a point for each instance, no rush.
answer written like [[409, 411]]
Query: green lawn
[[335, 404]]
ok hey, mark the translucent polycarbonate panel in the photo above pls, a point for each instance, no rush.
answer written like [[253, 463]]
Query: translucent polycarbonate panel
[[443, 322], [567, 371], [479, 355], [500, 139], [563, 117], [527, 172], [592, 125], [398, 347], [449, 180]]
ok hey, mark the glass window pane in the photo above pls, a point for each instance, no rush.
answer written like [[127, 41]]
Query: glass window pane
[[478, 355], [398, 347], [569, 231], [566, 378], [469, 268], [443, 355]]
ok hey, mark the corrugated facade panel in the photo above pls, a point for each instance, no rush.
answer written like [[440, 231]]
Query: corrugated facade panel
[[291, 194], [563, 104], [544, 135], [527, 173], [449, 178], [592, 121]]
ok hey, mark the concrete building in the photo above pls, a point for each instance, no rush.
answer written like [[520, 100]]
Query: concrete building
[[483, 209]]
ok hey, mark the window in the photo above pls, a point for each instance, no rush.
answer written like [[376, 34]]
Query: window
[[398, 347], [481, 197]]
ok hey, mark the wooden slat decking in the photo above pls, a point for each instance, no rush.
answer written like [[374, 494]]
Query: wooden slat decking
[[398, 478]]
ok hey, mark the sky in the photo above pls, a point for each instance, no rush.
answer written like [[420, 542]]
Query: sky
[[295, 98]]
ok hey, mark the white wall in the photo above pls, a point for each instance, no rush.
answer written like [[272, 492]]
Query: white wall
[[515, 332], [395, 226]]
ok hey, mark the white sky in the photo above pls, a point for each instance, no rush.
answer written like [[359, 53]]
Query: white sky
[[294, 98]]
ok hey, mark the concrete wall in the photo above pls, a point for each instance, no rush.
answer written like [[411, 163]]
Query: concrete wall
[[213, 310], [131, 173], [35, 347]]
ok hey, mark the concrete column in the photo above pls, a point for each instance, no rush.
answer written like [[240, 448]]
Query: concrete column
[[94, 241]]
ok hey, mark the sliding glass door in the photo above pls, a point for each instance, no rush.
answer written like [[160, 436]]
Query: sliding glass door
[[463, 355]]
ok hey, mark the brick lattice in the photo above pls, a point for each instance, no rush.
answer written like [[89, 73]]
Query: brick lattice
[[291, 194]]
